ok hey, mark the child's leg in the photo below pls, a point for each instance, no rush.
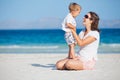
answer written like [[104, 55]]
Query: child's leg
[[71, 51], [71, 42]]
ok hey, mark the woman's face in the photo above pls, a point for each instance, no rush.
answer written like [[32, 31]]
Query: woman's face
[[87, 19]]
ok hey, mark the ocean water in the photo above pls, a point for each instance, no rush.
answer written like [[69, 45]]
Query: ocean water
[[51, 41]]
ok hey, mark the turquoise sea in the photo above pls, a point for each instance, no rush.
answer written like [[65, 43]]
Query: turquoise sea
[[51, 41]]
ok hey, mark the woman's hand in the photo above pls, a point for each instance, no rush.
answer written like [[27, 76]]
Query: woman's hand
[[73, 30]]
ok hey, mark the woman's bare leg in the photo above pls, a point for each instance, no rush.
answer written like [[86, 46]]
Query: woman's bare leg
[[60, 65], [72, 64]]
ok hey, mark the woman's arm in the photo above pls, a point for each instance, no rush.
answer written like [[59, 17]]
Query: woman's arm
[[83, 42]]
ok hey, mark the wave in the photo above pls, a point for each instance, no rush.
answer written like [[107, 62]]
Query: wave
[[111, 44], [55, 48], [22, 49], [108, 48], [28, 47]]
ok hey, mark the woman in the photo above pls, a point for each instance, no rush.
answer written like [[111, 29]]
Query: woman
[[88, 40]]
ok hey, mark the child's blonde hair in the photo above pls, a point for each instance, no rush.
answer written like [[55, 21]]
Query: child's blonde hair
[[74, 7]]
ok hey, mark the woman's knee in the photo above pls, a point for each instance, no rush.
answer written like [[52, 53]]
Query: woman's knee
[[59, 66], [68, 65], [73, 65]]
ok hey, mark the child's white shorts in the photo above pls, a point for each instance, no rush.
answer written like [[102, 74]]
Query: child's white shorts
[[69, 38]]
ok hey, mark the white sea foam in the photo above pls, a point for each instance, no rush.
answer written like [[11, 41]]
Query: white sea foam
[[110, 45], [115, 48], [29, 47], [104, 48]]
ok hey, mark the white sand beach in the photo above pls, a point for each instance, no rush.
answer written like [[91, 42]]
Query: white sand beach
[[42, 67]]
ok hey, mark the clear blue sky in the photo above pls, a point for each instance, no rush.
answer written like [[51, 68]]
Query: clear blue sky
[[42, 14]]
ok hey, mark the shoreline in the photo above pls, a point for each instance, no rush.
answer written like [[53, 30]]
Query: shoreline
[[57, 53], [42, 67]]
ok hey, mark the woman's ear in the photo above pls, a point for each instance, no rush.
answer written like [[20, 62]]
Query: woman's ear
[[91, 21]]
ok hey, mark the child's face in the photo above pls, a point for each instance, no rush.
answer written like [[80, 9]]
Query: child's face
[[76, 13]]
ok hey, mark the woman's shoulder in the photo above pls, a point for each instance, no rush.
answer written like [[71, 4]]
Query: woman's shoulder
[[94, 32]]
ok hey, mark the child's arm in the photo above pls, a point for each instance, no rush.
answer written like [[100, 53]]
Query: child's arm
[[69, 25]]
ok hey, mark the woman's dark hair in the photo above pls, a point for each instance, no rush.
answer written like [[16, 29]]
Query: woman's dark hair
[[95, 21]]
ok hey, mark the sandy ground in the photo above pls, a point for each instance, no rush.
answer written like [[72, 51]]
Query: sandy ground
[[42, 67]]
